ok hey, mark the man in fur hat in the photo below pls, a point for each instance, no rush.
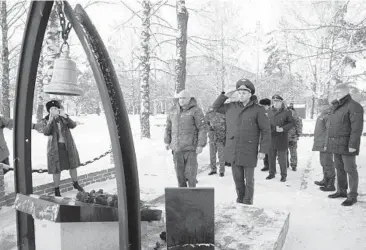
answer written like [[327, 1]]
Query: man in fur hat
[[185, 134], [281, 122], [247, 129]]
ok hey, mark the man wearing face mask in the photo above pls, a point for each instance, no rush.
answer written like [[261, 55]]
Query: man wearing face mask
[[185, 134], [281, 122], [343, 138], [247, 128]]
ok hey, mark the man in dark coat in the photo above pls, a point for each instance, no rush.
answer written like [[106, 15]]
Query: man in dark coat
[[326, 159], [345, 125], [281, 122], [247, 128], [266, 103], [185, 134], [216, 126]]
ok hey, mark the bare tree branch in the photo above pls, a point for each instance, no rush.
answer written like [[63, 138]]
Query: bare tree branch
[[130, 9]]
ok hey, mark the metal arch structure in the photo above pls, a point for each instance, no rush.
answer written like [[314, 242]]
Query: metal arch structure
[[116, 115]]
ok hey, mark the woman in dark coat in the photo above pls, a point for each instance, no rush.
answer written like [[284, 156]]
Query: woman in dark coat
[[62, 153]]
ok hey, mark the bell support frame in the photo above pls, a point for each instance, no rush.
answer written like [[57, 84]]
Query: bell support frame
[[115, 110]]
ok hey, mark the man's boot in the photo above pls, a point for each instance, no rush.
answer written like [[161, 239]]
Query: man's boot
[[321, 183], [283, 178], [57, 192], [270, 176], [265, 168], [77, 186], [294, 168], [212, 172], [329, 186], [349, 201], [338, 194]]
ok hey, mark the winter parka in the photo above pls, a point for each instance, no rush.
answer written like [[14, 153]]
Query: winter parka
[[282, 118], [320, 130], [295, 132], [52, 131], [345, 125], [185, 128], [247, 129]]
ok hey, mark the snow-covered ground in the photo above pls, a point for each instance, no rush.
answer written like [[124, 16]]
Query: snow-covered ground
[[316, 222]]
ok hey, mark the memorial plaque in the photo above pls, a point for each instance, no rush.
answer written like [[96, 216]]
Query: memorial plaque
[[190, 218]]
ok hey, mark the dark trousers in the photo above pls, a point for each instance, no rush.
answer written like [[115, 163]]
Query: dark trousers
[[282, 160], [326, 161], [244, 182], [346, 165], [185, 163], [265, 161]]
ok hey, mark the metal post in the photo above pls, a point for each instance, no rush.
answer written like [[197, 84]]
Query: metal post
[[118, 124], [31, 48]]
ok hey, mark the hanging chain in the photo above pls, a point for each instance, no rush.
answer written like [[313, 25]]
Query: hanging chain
[[65, 27], [40, 171]]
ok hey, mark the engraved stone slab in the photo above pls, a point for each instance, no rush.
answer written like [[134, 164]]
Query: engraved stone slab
[[190, 218]]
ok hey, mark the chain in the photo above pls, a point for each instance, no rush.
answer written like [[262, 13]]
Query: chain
[[40, 171], [65, 27]]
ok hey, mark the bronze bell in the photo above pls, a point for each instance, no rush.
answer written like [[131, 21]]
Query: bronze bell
[[64, 77]]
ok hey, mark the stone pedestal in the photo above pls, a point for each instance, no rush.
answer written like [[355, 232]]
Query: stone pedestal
[[66, 224]]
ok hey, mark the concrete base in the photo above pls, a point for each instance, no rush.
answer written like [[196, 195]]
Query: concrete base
[[237, 226], [78, 235]]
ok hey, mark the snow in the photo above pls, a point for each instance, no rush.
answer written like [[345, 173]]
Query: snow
[[316, 222]]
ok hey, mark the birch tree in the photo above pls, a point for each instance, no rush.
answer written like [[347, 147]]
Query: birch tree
[[145, 70], [181, 43], [11, 17]]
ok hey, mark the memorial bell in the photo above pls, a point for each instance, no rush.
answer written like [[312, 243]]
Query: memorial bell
[[64, 77]]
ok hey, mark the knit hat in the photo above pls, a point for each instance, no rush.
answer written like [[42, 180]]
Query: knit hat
[[52, 103], [277, 98], [184, 94], [265, 102], [245, 84]]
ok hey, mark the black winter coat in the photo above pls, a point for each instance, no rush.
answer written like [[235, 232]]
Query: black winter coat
[[282, 118], [247, 128], [345, 125]]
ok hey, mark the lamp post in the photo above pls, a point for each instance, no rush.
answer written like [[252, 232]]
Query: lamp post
[[115, 111]]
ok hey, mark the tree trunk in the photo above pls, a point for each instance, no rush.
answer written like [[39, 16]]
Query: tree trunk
[[181, 43], [39, 86], [50, 52], [145, 71], [5, 80]]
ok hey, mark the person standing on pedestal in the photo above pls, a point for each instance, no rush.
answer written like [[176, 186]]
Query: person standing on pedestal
[[344, 131], [62, 153], [247, 136]]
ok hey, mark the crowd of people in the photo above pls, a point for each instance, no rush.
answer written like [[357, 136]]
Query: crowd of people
[[242, 131]]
